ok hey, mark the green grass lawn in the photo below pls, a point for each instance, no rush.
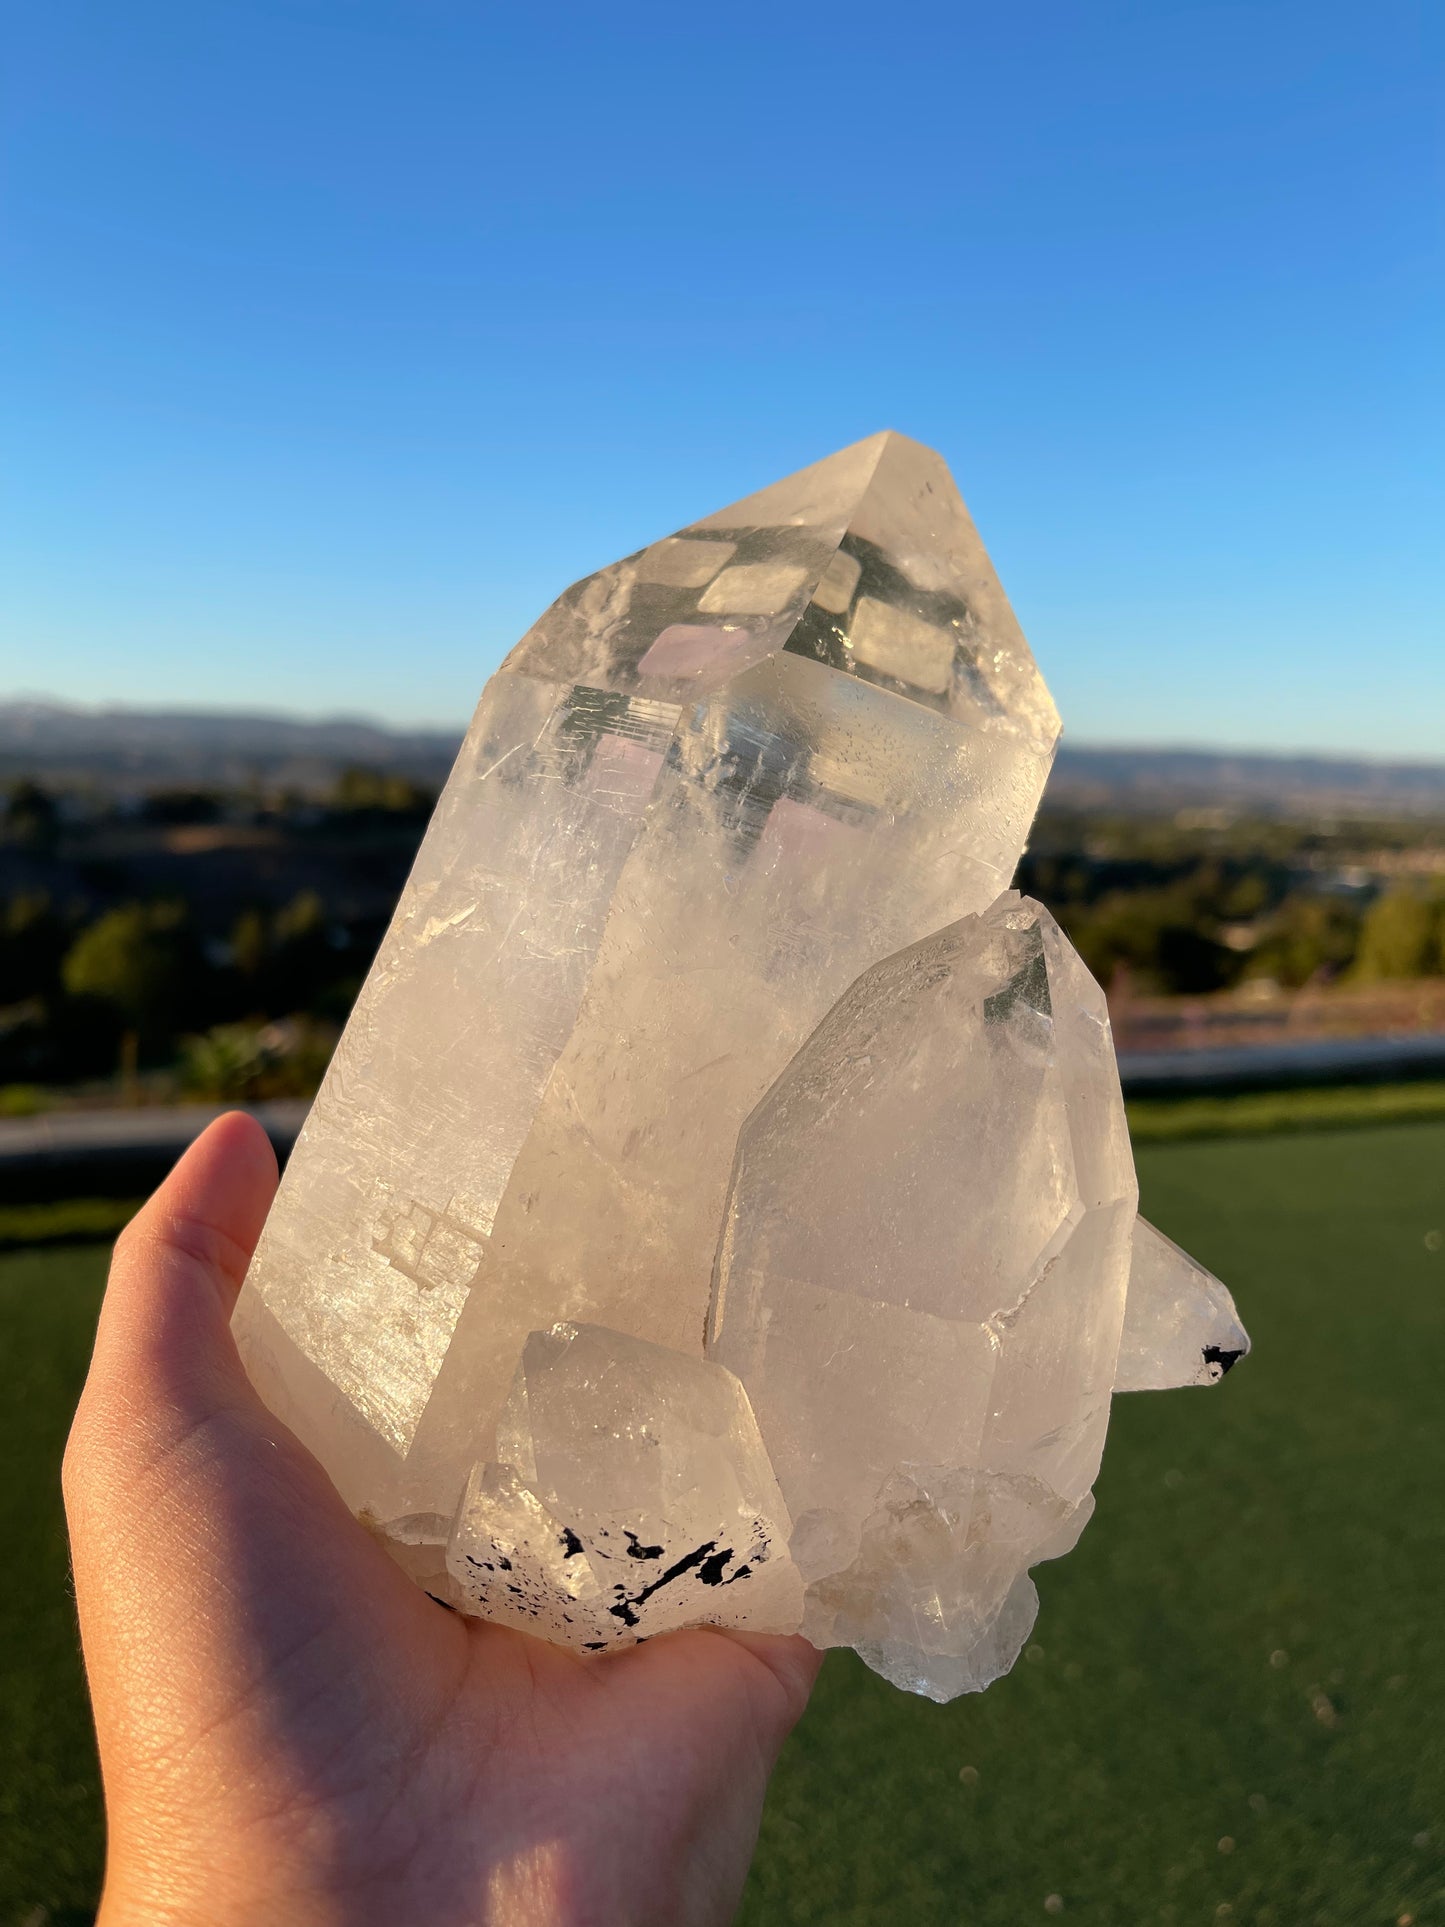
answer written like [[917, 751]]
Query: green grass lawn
[[50, 1836], [1234, 1708]]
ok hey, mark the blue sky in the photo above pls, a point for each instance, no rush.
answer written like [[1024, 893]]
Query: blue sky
[[340, 335]]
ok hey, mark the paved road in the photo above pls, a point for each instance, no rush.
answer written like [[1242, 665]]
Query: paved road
[[125, 1153], [117, 1153], [1257, 1067]]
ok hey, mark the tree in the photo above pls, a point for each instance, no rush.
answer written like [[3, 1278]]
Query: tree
[[302, 921], [366, 791], [176, 806], [1399, 937], [1157, 935], [32, 943], [302, 959], [137, 960], [1308, 938], [250, 944], [282, 959], [31, 817]]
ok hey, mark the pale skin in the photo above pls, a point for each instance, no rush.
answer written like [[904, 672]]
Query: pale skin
[[290, 1732]]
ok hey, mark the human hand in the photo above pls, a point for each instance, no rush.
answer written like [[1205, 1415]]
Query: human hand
[[290, 1731]]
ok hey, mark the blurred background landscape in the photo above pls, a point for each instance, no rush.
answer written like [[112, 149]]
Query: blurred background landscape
[[339, 338], [190, 901], [1231, 1706]]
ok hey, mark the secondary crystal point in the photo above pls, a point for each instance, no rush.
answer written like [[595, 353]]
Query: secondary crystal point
[[715, 784], [922, 1280], [635, 1496], [1180, 1325]]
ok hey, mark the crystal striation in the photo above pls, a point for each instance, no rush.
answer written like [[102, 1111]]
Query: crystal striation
[[719, 1160]]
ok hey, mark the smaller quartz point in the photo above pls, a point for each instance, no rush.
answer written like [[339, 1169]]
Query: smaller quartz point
[[1180, 1325], [636, 1498], [921, 1284]]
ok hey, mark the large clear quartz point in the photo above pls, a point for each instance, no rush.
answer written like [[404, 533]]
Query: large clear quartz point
[[1180, 1325], [921, 1283], [714, 785]]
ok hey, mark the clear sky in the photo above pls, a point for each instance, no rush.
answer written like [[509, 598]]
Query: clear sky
[[340, 335]]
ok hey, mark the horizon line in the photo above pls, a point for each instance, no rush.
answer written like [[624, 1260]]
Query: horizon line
[[321, 719]]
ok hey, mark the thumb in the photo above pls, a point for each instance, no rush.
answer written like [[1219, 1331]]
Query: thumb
[[180, 1486], [164, 1362], [165, 1384], [163, 1355]]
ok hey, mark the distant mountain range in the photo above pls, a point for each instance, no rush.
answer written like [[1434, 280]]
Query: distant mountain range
[[1153, 779], [134, 749]]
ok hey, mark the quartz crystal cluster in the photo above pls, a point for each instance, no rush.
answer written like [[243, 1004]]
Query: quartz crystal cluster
[[719, 1209]]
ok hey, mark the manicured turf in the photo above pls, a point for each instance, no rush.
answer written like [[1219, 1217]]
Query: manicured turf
[[1151, 1120], [64, 1221], [50, 1836], [1248, 1645], [1233, 1707], [1258, 1113]]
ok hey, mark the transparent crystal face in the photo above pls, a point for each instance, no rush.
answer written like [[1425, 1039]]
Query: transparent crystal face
[[802, 824], [392, 1192], [922, 1282], [867, 562], [712, 787]]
